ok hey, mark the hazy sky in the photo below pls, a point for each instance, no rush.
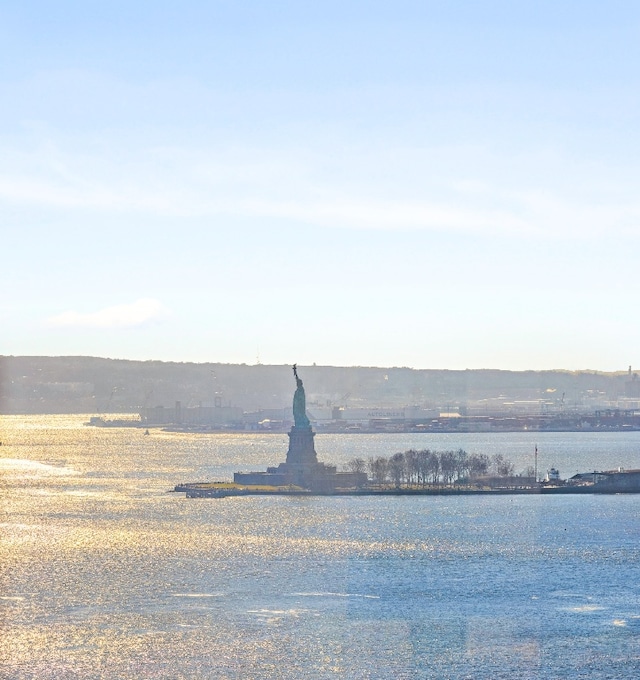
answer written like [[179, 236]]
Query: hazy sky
[[434, 184]]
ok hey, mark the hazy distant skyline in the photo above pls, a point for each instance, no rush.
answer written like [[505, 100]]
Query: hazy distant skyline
[[424, 184]]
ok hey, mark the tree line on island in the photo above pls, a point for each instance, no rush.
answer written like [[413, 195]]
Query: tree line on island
[[426, 468]]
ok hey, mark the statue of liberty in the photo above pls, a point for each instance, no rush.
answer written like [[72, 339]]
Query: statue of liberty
[[299, 403]]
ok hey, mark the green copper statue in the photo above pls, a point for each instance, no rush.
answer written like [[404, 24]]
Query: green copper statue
[[299, 403]]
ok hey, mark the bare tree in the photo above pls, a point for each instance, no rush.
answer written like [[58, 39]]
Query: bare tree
[[397, 468], [411, 466], [448, 466], [501, 466], [433, 466], [423, 466], [357, 465], [378, 468], [371, 467], [462, 463], [478, 464]]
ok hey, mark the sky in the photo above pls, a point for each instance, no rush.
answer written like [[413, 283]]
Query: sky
[[436, 184]]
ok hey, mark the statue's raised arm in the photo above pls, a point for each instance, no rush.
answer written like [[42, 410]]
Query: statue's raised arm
[[299, 402]]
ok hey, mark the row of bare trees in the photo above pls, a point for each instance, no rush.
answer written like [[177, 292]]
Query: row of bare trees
[[426, 467]]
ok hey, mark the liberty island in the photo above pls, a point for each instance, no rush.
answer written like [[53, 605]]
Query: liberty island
[[302, 473]]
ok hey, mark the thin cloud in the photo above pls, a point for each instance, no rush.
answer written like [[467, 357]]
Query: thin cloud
[[138, 313], [512, 198]]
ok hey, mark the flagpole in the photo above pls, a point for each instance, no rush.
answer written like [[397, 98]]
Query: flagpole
[[536, 463]]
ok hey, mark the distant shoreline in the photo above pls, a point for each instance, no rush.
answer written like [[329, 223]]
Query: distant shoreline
[[356, 430]]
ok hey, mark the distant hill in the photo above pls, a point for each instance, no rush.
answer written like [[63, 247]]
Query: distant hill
[[95, 385]]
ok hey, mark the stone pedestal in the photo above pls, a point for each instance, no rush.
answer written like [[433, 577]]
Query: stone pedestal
[[301, 453], [302, 460]]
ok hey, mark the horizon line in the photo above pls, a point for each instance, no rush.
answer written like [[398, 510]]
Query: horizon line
[[315, 365]]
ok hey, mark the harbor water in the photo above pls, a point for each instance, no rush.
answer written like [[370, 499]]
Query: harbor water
[[105, 573]]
